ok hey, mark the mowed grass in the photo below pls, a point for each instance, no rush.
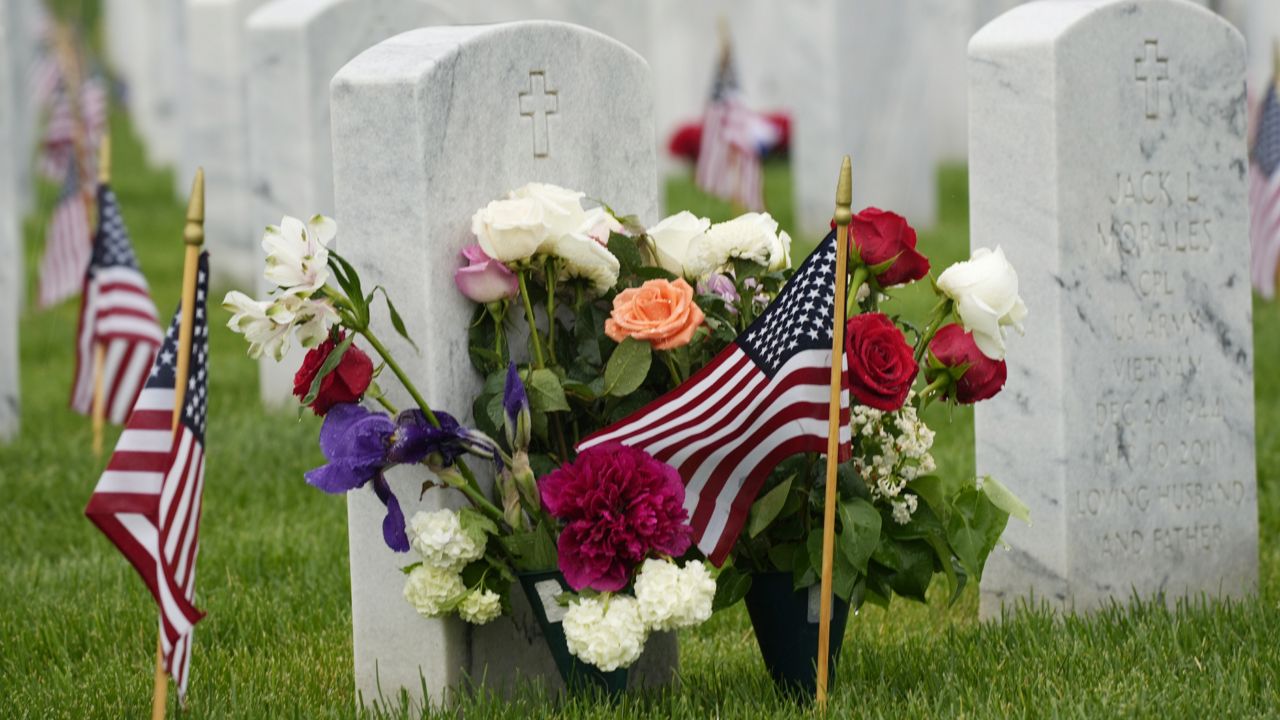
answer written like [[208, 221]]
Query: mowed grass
[[77, 628]]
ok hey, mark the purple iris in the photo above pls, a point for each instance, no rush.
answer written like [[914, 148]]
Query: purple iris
[[416, 438], [515, 405], [355, 441]]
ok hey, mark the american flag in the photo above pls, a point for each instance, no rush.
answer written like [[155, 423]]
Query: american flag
[[729, 156], [117, 313], [148, 499], [64, 128], [68, 243], [761, 400], [1264, 197]]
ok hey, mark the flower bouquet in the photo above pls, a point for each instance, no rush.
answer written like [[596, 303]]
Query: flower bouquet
[[901, 519], [581, 317]]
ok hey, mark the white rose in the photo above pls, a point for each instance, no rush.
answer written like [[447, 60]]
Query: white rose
[[433, 591], [671, 597], [582, 257], [510, 230], [753, 237], [562, 211], [985, 290], [605, 631], [673, 237], [440, 540], [598, 225], [480, 606], [297, 253]]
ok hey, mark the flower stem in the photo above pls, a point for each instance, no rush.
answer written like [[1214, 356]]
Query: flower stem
[[385, 354], [926, 395], [671, 367], [939, 316], [534, 339], [471, 488], [851, 292], [550, 271]]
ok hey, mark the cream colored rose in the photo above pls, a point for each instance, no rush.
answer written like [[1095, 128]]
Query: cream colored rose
[[510, 230], [753, 237], [673, 237], [582, 257], [562, 211], [985, 290]]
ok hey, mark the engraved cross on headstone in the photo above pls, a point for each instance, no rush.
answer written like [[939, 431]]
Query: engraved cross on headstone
[[1151, 69], [537, 104]]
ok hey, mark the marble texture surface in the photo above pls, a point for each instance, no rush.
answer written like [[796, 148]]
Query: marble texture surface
[[22, 20], [216, 134], [295, 47], [1108, 160], [427, 127], [158, 89], [11, 264]]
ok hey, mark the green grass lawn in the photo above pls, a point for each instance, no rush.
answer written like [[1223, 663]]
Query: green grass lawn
[[77, 628]]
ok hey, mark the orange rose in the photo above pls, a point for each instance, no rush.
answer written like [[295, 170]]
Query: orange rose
[[659, 312]]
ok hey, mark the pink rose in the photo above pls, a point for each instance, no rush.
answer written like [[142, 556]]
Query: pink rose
[[484, 280]]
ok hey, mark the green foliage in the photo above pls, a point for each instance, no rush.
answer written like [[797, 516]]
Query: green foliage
[[627, 368]]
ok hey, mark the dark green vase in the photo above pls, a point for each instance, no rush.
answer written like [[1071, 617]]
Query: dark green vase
[[788, 633], [578, 676]]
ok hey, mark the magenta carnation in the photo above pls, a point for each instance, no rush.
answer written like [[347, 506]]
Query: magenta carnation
[[620, 505]]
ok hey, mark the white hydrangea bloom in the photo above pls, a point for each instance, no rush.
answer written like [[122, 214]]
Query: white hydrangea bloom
[[903, 508], [893, 451], [606, 631], [440, 540], [431, 590], [480, 606], [672, 597]]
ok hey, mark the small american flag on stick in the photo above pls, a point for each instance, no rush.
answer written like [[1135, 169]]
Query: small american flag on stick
[[68, 243], [761, 400], [117, 313], [148, 500], [729, 155], [1264, 196]]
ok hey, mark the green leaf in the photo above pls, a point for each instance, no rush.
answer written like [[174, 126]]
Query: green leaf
[[731, 586], [935, 492], [627, 367], [532, 550], [1003, 498], [410, 568], [327, 367], [396, 321], [352, 288], [545, 392], [974, 529], [654, 273], [844, 578], [472, 519], [783, 557], [808, 561], [580, 389], [913, 568], [764, 510], [628, 254], [859, 531]]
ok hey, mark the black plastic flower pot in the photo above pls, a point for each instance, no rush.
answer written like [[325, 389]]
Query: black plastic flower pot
[[787, 630], [579, 677]]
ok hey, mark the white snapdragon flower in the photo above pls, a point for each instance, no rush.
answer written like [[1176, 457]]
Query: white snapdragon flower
[[985, 290], [480, 606], [561, 208], [606, 631], [433, 591], [753, 237], [439, 538], [672, 597], [510, 230], [674, 237], [298, 254]]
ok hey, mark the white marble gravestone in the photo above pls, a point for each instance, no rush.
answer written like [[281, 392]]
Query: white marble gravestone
[[158, 87], [11, 265], [427, 127], [295, 47], [1108, 159], [858, 75], [216, 133]]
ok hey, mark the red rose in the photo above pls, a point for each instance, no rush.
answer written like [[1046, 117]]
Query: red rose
[[881, 364], [345, 384], [882, 236], [953, 347]]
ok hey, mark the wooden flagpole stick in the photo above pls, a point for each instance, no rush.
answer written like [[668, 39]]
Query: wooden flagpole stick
[[844, 215], [99, 411], [193, 238]]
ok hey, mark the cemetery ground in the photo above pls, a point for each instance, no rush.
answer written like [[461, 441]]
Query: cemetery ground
[[77, 629]]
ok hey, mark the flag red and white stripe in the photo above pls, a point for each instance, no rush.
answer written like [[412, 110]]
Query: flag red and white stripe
[[761, 400], [148, 501], [68, 243], [1264, 197], [729, 163], [117, 313]]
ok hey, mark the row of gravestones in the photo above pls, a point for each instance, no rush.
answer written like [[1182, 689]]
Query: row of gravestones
[[1108, 158]]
